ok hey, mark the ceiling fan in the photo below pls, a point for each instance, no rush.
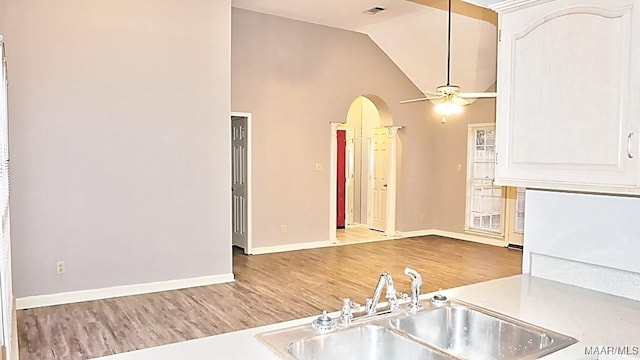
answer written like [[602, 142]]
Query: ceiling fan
[[449, 98]]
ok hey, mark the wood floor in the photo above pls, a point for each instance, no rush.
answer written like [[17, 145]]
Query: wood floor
[[358, 234], [269, 288]]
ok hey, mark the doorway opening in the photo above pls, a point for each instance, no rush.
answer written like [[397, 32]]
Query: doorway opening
[[241, 235], [363, 165]]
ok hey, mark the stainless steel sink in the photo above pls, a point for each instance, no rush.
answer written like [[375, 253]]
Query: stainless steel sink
[[453, 330], [368, 342], [468, 332]]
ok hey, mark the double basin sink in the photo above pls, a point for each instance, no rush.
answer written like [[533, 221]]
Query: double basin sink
[[455, 330]]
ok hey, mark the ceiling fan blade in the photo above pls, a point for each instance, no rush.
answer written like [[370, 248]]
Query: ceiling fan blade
[[421, 99], [458, 100], [478, 95], [431, 94]]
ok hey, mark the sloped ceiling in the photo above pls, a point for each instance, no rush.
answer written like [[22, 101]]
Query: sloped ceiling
[[412, 35]]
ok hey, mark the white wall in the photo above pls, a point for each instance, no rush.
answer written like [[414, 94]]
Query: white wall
[[120, 148], [584, 239]]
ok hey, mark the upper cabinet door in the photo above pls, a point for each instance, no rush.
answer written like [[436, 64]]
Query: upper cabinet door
[[568, 102]]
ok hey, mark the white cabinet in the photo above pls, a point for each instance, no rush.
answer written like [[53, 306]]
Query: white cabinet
[[568, 107]]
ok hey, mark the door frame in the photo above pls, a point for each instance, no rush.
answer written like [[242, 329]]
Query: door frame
[[390, 228], [512, 236], [341, 183], [349, 206], [249, 248]]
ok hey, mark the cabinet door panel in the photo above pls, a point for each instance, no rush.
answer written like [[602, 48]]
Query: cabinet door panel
[[565, 83]]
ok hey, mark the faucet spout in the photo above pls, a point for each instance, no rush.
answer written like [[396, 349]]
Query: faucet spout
[[385, 281], [416, 281]]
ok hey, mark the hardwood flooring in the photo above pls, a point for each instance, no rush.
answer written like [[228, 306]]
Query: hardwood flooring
[[269, 288], [358, 234]]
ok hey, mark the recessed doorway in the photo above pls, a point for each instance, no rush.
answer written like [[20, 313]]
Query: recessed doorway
[[241, 181], [363, 157]]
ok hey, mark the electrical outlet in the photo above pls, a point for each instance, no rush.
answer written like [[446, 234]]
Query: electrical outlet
[[60, 267], [459, 167], [319, 166], [283, 228]]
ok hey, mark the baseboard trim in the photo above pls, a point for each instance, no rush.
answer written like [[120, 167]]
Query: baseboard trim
[[290, 247], [15, 352], [416, 233], [29, 302], [457, 236]]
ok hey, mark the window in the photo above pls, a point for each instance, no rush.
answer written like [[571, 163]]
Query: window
[[485, 201]]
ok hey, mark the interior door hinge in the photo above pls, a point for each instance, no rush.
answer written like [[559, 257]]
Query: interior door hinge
[[499, 34]]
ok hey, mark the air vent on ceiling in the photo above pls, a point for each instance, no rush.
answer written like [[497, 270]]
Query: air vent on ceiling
[[374, 10]]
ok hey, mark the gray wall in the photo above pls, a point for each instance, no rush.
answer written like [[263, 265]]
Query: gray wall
[[3, 13], [448, 186], [120, 160], [295, 78], [120, 136]]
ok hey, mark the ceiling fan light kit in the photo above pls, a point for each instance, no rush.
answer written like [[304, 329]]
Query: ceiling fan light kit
[[447, 108], [451, 100]]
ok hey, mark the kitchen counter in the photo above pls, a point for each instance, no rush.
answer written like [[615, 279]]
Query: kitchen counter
[[595, 319]]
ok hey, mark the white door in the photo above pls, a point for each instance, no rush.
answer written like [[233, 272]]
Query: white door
[[378, 178], [239, 180]]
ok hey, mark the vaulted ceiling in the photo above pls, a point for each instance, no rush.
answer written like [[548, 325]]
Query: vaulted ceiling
[[412, 33]]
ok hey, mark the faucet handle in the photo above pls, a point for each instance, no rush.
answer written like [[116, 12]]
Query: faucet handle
[[346, 313], [348, 304]]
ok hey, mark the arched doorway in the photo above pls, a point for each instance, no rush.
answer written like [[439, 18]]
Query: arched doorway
[[368, 144]]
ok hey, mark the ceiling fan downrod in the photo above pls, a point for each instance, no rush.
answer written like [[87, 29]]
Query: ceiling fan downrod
[[449, 47]]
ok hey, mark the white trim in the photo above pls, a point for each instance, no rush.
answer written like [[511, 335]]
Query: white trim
[[513, 5], [349, 204], [390, 228], [415, 233], [455, 235], [322, 244], [248, 116], [333, 187], [292, 247], [118, 291]]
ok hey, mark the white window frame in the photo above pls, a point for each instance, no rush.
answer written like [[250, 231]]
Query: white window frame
[[471, 147]]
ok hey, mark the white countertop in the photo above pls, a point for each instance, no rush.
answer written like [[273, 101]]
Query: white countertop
[[594, 318]]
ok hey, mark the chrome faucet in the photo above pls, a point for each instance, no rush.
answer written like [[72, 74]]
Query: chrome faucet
[[346, 313], [416, 281], [385, 281]]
